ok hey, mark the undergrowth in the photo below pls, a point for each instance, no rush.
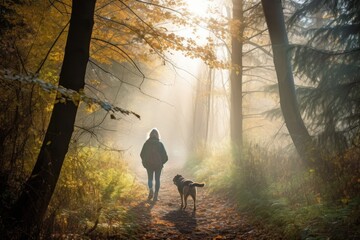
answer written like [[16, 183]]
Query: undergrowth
[[92, 196], [284, 196]]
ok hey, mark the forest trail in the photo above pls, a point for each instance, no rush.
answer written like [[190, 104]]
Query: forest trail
[[215, 217]]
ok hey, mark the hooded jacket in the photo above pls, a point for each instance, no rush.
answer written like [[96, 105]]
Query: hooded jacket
[[153, 154]]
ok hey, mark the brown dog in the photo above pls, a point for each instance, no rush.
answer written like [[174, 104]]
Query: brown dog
[[186, 187]]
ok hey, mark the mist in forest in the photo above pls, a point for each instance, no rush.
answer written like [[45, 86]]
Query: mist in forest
[[255, 102], [167, 102], [176, 91]]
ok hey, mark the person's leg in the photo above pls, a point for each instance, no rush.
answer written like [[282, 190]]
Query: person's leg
[[150, 174], [157, 183]]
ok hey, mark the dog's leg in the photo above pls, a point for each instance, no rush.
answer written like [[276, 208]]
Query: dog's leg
[[193, 195], [194, 198], [182, 201], [186, 195]]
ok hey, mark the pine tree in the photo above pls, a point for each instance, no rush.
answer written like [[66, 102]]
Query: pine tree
[[330, 63]]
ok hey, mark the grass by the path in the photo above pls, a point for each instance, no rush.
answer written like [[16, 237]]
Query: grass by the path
[[278, 193]]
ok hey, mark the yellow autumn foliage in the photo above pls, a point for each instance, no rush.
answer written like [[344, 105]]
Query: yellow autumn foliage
[[124, 31]]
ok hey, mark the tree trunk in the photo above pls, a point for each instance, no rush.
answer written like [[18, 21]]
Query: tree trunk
[[276, 26], [202, 108], [236, 115], [209, 85], [29, 210]]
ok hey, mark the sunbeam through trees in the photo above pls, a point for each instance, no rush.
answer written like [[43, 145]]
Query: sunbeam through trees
[[256, 103]]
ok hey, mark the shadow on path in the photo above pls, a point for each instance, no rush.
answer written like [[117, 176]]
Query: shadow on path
[[183, 221], [137, 219]]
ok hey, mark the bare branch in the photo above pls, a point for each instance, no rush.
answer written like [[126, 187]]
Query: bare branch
[[252, 7], [266, 79], [111, 74], [132, 85], [257, 34], [124, 53], [158, 5], [105, 5], [257, 46], [133, 12], [52, 46], [21, 60]]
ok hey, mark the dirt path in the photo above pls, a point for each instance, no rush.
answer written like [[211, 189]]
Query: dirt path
[[215, 217]]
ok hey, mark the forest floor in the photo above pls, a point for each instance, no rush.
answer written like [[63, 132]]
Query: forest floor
[[215, 217]]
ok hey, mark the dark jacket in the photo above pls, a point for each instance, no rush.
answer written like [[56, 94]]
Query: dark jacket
[[153, 154]]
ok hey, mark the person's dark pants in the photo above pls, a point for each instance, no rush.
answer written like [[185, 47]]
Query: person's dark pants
[[150, 173]]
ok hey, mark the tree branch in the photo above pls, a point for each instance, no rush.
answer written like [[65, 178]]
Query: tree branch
[[52, 46]]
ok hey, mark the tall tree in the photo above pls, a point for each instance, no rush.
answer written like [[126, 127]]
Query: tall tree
[[29, 210], [329, 63], [236, 118], [280, 45], [202, 108]]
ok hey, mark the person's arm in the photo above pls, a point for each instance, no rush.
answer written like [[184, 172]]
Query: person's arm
[[142, 155], [164, 156]]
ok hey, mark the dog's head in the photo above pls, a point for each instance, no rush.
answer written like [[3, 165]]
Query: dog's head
[[177, 178]]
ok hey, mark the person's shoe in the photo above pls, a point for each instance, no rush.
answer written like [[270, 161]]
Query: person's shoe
[[151, 194], [156, 196]]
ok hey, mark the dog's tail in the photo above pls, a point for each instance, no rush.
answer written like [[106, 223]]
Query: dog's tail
[[197, 184]]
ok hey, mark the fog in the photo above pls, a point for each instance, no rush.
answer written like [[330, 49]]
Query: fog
[[165, 100], [164, 95], [165, 104]]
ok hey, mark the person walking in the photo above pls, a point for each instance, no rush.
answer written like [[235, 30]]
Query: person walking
[[153, 156]]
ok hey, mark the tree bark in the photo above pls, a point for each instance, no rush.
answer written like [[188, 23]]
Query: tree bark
[[29, 210], [276, 26], [236, 113]]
